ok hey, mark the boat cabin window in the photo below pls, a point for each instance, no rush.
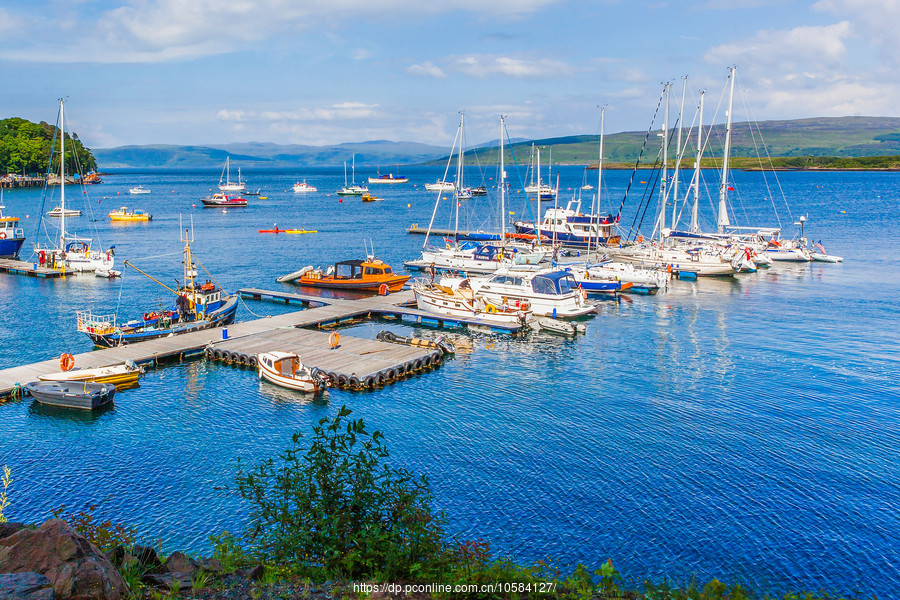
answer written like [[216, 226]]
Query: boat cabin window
[[347, 271], [387, 271], [542, 285], [373, 271]]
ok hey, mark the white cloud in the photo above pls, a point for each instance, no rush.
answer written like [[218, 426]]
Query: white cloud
[[482, 66], [820, 46], [872, 20], [426, 69], [335, 112]]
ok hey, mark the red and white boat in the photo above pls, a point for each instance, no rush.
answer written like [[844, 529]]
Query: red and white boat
[[217, 200]]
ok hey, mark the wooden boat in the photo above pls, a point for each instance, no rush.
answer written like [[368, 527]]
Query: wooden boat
[[286, 370], [122, 376], [217, 200], [363, 275], [72, 394], [124, 215]]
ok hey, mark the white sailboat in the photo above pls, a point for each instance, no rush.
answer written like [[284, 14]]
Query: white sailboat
[[71, 252], [352, 189], [228, 185]]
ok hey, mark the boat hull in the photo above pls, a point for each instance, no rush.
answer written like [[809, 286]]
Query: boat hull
[[440, 304], [80, 395], [10, 247], [395, 284]]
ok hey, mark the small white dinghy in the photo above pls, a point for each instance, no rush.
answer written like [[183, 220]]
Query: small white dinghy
[[557, 326], [286, 370]]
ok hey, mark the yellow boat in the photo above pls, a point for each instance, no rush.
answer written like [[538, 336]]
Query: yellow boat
[[122, 376], [125, 215]]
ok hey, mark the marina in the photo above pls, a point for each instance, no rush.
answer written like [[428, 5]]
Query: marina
[[20, 267]]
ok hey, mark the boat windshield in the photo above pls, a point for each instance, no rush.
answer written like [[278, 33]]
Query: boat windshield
[[559, 282], [351, 269]]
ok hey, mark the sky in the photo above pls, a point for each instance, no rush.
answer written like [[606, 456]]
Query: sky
[[203, 72]]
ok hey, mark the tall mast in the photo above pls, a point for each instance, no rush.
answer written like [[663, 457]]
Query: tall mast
[[62, 176], [695, 227], [665, 173], [502, 189], [678, 154], [459, 159], [723, 186], [538, 222], [599, 180]]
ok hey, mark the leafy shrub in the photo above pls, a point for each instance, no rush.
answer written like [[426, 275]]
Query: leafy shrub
[[334, 505], [4, 499], [104, 534]]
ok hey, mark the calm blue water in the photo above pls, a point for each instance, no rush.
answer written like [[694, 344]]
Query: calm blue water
[[741, 429]]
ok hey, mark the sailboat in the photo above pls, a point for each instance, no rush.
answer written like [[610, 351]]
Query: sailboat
[[462, 192], [230, 186], [71, 252], [352, 189], [198, 306], [537, 186]]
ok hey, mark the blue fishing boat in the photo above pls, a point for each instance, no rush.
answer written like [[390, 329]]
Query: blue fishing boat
[[11, 236], [197, 306]]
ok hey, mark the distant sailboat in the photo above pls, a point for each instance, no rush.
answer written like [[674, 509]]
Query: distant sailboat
[[352, 189], [230, 186]]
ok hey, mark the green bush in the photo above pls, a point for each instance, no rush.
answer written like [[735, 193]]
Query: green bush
[[335, 506], [4, 499]]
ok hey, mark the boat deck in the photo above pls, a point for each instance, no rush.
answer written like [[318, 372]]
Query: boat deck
[[21, 267]]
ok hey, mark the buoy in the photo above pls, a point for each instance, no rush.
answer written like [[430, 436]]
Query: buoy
[[340, 199], [408, 205], [334, 339], [383, 289]]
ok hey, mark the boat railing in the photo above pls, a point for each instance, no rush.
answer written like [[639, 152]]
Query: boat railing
[[88, 322]]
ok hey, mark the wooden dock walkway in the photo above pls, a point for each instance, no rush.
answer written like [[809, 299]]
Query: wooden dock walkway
[[21, 267], [357, 363]]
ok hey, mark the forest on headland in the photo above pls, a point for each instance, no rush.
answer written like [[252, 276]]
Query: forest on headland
[[26, 147]]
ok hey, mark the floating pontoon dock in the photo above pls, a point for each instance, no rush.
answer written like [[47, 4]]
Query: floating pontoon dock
[[20, 267]]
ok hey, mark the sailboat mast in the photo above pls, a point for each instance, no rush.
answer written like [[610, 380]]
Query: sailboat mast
[[62, 176], [665, 171], [502, 189], [723, 186], [695, 227], [599, 178], [537, 218], [678, 155], [459, 159]]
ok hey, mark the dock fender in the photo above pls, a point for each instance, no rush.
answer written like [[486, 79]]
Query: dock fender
[[253, 362], [369, 382], [418, 364], [342, 380], [380, 378], [354, 382], [392, 374]]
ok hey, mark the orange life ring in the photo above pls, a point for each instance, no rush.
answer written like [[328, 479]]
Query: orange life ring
[[66, 362], [334, 339], [383, 289], [2, 235], [640, 239]]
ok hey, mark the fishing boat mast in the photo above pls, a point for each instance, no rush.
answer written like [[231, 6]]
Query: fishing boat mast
[[723, 221]]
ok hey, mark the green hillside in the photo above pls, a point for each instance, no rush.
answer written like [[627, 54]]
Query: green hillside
[[25, 148]]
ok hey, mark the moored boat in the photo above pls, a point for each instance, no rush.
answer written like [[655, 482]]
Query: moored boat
[[454, 296], [367, 197], [138, 189], [75, 394], [12, 236], [285, 369], [440, 186], [224, 200], [302, 186], [227, 185], [389, 178], [198, 306], [123, 215], [361, 275], [122, 376], [59, 211]]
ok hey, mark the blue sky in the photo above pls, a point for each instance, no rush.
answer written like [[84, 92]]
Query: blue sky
[[322, 72]]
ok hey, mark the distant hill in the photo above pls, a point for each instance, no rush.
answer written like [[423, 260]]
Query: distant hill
[[826, 136]]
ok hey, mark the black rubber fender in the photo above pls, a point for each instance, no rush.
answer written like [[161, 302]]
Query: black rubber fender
[[342, 380], [354, 382]]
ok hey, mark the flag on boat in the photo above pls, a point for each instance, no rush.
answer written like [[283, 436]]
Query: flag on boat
[[820, 247], [730, 189]]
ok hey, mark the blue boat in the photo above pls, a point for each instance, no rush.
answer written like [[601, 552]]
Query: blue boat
[[11, 236], [197, 306], [571, 228]]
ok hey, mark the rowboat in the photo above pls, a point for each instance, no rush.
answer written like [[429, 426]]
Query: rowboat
[[122, 376], [77, 394], [285, 369]]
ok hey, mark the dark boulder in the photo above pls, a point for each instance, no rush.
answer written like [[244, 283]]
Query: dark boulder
[[7, 529], [178, 562], [25, 586]]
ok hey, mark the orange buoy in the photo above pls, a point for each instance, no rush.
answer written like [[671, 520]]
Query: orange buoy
[[334, 339], [66, 362], [383, 289]]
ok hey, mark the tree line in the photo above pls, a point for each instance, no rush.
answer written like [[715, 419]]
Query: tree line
[[25, 149]]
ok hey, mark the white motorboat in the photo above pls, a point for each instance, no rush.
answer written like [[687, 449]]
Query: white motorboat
[[549, 292], [440, 186], [139, 189], [302, 186], [59, 211], [557, 326], [454, 296], [285, 369]]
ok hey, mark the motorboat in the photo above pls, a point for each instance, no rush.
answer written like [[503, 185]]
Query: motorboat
[[138, 189], [123, 215], [367, 197], [557, 326], [631, 277], [223, 200], [440, 186], [549, 292], [107, 273], [122, 376], [569, 227], [285, 369], [389, 178], [12, 236], [197, 307], [454, 296], [476, 258], [360, 275], [59, 211], [74, 394], [302, 186]]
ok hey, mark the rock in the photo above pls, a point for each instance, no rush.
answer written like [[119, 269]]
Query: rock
[[212, 565], [178, 562], [168, 580], [25, 586], [121, 557], [7, 529], [254, 574], [74, 566], [147, 557]]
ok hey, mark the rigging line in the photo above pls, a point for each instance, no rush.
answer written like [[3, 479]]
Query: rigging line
[[46, 188], [640, 155], [154, 256], [241, 298], [440, 192], [193, 257], [759, 159], [651, 188], [644, 197]]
